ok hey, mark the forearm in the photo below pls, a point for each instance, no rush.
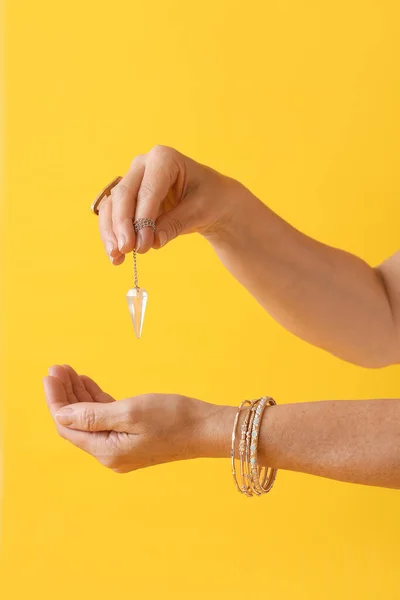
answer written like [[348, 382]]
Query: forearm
[[353, 441], [325, 296]]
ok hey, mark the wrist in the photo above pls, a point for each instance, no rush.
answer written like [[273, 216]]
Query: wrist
[[211, 433], [240, 213], [212, 430]]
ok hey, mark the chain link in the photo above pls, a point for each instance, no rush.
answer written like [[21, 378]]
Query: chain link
[[135, 273], [138, 225]]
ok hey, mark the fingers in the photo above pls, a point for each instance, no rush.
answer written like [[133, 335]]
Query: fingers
[[56, 399], [124, 197], [138, 195], [55, 387], [161, 172], [106, 230], [63, 375], [79, 390], [73, 386], [55, 393], [96, 417], [95, 390]]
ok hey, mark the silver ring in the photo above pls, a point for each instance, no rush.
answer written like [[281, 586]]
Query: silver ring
[[142, 223]]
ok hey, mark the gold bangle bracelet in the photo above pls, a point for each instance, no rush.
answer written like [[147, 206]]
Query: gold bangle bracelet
[[264, 478], [234, 431], [254, 480], [243, 451], [249, 446]]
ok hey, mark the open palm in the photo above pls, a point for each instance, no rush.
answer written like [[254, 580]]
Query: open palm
[[64, 387], [128, 434]]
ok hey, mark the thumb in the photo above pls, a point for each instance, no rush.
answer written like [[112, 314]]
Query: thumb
[[172, 224], [93, 416]]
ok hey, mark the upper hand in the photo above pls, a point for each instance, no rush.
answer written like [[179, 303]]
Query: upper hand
[[181, 195]]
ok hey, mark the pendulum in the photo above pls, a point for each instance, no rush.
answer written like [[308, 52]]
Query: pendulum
[[137, 296], [137, 301]]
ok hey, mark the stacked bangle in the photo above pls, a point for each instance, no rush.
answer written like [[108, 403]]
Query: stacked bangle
[[254, 480], [239, 486]]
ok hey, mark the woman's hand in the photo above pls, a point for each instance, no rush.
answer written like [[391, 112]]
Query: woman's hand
[[182, 196], [137, 432]]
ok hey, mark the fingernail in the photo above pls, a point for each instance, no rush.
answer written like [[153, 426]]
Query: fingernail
[[121, 241], [162, 236], [109, 248], [51, 371], [139, 240], [64, 415]]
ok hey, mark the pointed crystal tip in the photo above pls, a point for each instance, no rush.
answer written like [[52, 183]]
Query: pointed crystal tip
[[137, 301]]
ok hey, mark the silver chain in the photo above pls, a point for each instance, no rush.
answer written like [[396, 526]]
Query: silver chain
[[138, 225], [135, 274]]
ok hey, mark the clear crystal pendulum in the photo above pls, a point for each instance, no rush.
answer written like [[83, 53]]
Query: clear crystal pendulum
[[137, 301], [137, 297]]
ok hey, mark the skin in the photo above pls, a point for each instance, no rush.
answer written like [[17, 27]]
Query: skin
[[323, 295]]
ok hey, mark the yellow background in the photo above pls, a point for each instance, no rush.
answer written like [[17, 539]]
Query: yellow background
[[298, 100]]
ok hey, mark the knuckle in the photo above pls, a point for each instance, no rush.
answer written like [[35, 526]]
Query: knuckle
[[175, 226], [161, 152], [130, 415], [137, 160], [145, 191], [105, 229], [122, 221], [105, 203], [119, 191], [89, 419]]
